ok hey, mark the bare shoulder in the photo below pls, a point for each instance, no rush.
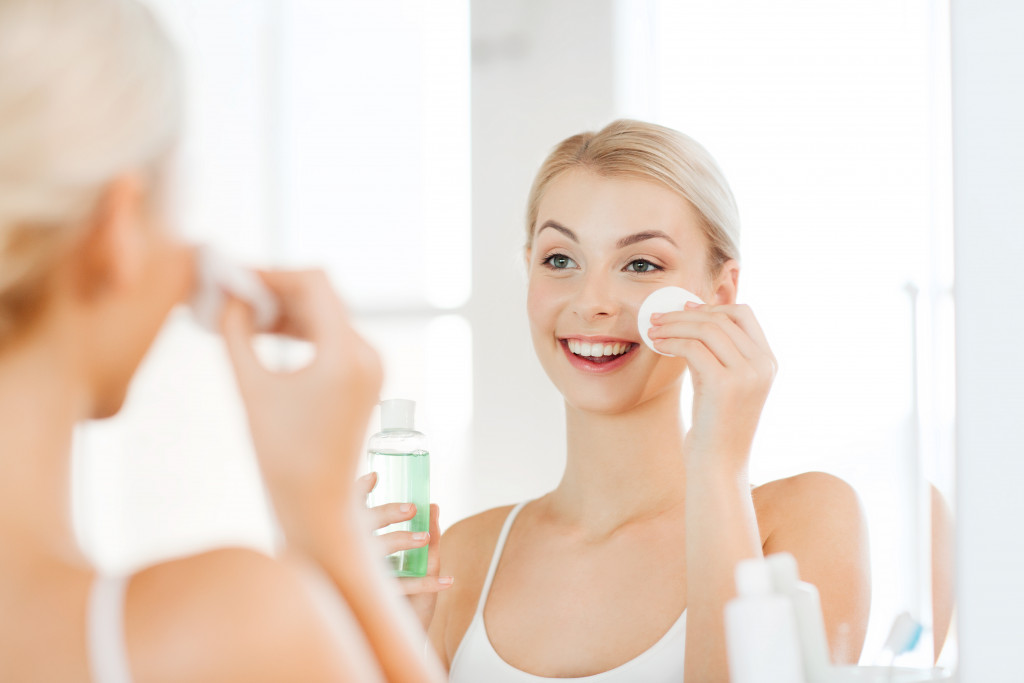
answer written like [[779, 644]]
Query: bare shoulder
[[818, 518], [466, 550], [230, 614], [470, 539], [808, 498]]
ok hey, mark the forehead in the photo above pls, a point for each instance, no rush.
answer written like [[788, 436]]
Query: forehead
[[595, 207]]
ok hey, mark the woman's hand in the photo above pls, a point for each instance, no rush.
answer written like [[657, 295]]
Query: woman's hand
[[421, 591], [307, 425], [732, 368]]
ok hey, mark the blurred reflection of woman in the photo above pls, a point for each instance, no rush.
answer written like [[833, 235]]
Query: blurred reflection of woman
[[89, 112], [629, 562]]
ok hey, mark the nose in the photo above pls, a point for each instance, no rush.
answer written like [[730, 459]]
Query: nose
[[596, 298]]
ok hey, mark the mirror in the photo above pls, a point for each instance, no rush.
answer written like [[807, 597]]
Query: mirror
[[395, 144]]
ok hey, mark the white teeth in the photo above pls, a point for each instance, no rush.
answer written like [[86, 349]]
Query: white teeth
[[597, 349]]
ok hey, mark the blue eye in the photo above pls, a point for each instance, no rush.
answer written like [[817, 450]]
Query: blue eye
[[642, 266], [559, 262]]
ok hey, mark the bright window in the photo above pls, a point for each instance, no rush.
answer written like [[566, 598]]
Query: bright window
[[322, 134]]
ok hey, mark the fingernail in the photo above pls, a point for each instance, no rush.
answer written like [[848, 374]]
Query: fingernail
[[405, 507], [445, 580], [693, 304], [655, 316], [420, 536]]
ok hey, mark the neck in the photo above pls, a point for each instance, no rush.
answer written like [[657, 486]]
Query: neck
[[625, 467], [38, 410]]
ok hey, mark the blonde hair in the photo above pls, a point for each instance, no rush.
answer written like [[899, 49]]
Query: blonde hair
[[635, 149], [89, 90]]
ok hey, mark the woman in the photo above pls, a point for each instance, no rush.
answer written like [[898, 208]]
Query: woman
[[89, 113], [629, 561]]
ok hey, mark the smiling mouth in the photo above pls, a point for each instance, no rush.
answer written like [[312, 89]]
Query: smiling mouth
[[598, 353]]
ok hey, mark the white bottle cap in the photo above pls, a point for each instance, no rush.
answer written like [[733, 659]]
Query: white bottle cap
[[664, 300], [753, 577], [397, 413], [784, 571]]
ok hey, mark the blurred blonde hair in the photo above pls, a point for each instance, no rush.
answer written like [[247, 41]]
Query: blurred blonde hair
[[89, 90], [635, 149]]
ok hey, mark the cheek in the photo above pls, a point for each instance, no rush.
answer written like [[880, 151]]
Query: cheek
[[544, 300]]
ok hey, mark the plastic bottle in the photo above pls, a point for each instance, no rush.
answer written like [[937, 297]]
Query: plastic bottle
[[399, 456], [760, 630], [810, 624]]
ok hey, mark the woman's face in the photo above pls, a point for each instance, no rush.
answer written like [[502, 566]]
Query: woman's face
[[600, 246]]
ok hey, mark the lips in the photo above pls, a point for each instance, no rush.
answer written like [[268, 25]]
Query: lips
[[597, 355]]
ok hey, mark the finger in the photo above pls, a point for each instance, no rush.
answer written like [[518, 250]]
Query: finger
[[434, 547], [714, 315], [754, 344], [391, 513], [708, 332], [310, 310], [237, 328], [745, 318], [701, 361], [411, 585], [403, 540], [365, 484]]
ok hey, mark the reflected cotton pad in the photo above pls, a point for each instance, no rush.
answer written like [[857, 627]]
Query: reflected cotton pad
[[218, 276], [664, 300]]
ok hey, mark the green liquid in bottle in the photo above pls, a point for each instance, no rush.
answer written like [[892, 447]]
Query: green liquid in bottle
[[404, 478]]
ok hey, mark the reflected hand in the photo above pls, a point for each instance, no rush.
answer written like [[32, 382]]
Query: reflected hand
[[732, 368], [308, 424], [421, 591]]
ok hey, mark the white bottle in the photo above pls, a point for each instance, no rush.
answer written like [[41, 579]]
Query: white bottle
[[810, 624], [760, 630]]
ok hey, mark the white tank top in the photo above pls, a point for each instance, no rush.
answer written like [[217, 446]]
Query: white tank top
[[476, 660], [108, 658]]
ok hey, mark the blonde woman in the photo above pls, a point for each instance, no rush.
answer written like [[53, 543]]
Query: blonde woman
[[89, 112], [622, 572]]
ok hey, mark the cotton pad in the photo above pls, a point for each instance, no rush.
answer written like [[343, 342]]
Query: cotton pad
[[218, 276], [664, 300]]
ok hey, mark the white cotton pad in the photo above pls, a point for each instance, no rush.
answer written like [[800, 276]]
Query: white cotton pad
[[664, 300], [218, 276]]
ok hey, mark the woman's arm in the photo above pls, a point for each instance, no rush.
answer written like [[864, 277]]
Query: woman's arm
[[307, 427], [732, 369]]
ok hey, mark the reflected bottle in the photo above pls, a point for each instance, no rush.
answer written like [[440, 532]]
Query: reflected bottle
[[399, 456]]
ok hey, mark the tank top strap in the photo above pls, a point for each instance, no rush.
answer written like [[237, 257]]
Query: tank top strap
[[108, 656], [496, 558]]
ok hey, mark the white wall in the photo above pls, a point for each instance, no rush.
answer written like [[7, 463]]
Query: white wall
[[988, 153]]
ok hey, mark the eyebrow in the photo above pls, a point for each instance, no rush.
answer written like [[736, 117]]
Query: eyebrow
[[560, 228], [642, 236], [626, 241]]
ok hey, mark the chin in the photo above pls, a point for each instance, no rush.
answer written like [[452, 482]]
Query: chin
[[611, 396], [599, 402]]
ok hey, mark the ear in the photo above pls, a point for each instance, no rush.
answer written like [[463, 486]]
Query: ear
[[726, 283], [112, 252]]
